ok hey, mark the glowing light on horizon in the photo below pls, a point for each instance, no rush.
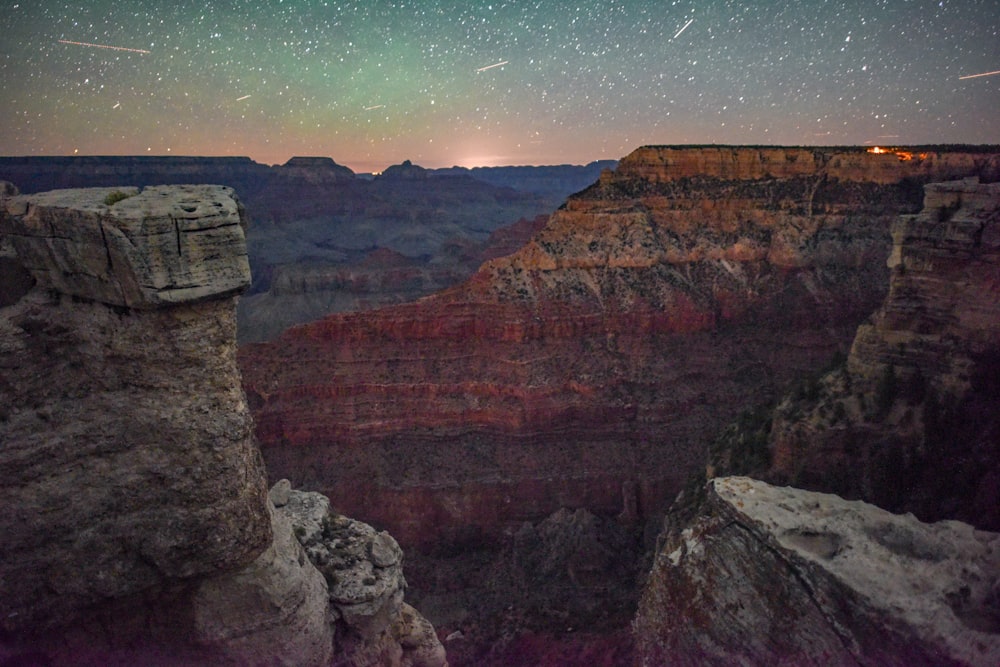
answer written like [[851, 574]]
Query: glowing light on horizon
[[973, 76], [103, 46]]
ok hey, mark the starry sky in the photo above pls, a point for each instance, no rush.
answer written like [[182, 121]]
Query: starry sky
[[371, 83]]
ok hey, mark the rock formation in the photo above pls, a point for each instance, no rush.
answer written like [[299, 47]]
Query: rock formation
[[910, 422], [769, 575], [652, 307], [364, 572], [137, 527]]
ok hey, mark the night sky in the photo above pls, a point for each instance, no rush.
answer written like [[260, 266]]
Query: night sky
[[371, 83]]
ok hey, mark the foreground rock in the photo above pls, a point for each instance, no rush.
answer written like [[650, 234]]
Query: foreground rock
[[128, 459], [137, 527], [770, 575]]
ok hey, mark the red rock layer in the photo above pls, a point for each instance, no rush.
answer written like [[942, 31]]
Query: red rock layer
[[648, 312]]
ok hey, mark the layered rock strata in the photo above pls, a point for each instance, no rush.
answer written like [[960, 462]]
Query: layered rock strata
[[769, 575], [911, 421], [652, 307], [138, 528]]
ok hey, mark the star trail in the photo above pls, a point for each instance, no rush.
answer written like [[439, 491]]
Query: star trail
[[372, 83]]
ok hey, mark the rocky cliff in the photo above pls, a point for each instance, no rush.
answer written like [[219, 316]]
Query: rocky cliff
[[769, 575], [910, 422], [137, 527]]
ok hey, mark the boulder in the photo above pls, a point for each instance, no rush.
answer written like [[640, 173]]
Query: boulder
[[775, 575]]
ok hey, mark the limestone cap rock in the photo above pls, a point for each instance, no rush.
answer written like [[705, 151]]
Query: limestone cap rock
[[148, 248]]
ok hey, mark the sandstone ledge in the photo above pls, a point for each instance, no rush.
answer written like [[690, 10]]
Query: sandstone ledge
[[770, 575], [158, 246]]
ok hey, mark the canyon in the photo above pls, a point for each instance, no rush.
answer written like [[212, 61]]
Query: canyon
[[546, 440], [589, 370]]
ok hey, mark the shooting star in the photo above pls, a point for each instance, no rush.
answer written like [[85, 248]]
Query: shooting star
[[377, 106], [683, 29], [483, 69], [973, 76], [103, 46], [117, 104], [240, 99]]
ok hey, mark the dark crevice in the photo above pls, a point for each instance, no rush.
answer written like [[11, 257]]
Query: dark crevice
[[107, 249]]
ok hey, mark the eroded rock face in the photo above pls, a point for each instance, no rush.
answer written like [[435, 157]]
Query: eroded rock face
[[273, 612], [910, 422], [770, 575], [363, 569], [128, 459], [137, 528]]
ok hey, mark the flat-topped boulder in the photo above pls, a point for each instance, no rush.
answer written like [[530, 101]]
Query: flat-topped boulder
[[134, 248]]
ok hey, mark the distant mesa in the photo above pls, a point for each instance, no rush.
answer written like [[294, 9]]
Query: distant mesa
[[317, 170], [313, 161], [407, 171]]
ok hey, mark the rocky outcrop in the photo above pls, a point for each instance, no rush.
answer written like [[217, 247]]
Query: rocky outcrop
[[769, 575], [137, 528], [606, 351], [129, 459], [910, 422], [364, 572]]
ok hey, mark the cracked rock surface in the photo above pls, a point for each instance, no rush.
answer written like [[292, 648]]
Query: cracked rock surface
[[134, 248], [769, 575]]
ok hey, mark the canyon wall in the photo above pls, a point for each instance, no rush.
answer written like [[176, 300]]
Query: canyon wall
[[781, 576], [910, 421], [137, 527], [589, 368]]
